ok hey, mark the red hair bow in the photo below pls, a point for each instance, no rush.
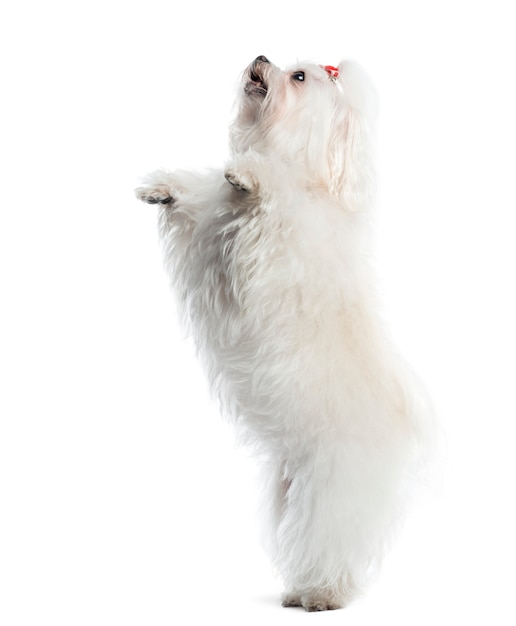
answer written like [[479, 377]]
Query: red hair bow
[[333, 72]]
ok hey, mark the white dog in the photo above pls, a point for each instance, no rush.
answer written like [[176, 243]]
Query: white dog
[[270, 263]]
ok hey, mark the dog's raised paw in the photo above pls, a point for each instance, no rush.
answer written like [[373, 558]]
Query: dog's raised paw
[[241, 180], [154, 195]]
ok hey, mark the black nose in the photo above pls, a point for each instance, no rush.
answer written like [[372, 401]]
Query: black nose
[[262, 59]]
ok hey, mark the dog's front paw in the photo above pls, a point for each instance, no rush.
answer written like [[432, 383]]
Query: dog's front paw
[[241, 179], [158, 194]]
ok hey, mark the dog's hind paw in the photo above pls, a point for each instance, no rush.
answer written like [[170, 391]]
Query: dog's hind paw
[[160, 194], [312, 601], [291, 599], [321, 605]]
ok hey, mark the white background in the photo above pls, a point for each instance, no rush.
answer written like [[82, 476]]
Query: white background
[[123, 497]]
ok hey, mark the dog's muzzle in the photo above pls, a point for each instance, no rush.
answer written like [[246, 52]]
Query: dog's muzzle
[[256, 77]]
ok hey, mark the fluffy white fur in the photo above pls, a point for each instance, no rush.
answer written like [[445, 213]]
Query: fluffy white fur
[[270, 261]]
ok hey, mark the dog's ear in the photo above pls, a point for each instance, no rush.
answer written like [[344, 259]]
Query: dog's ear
[[352, 144]]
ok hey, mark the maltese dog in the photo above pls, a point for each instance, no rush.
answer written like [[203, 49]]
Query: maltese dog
[[270, 262]]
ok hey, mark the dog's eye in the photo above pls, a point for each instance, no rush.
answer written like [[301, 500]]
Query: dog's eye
[[300, 76]]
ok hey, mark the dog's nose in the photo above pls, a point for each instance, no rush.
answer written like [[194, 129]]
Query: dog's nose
[[262, 59]]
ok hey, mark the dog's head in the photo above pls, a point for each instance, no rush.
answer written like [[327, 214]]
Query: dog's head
[[318, 118]]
